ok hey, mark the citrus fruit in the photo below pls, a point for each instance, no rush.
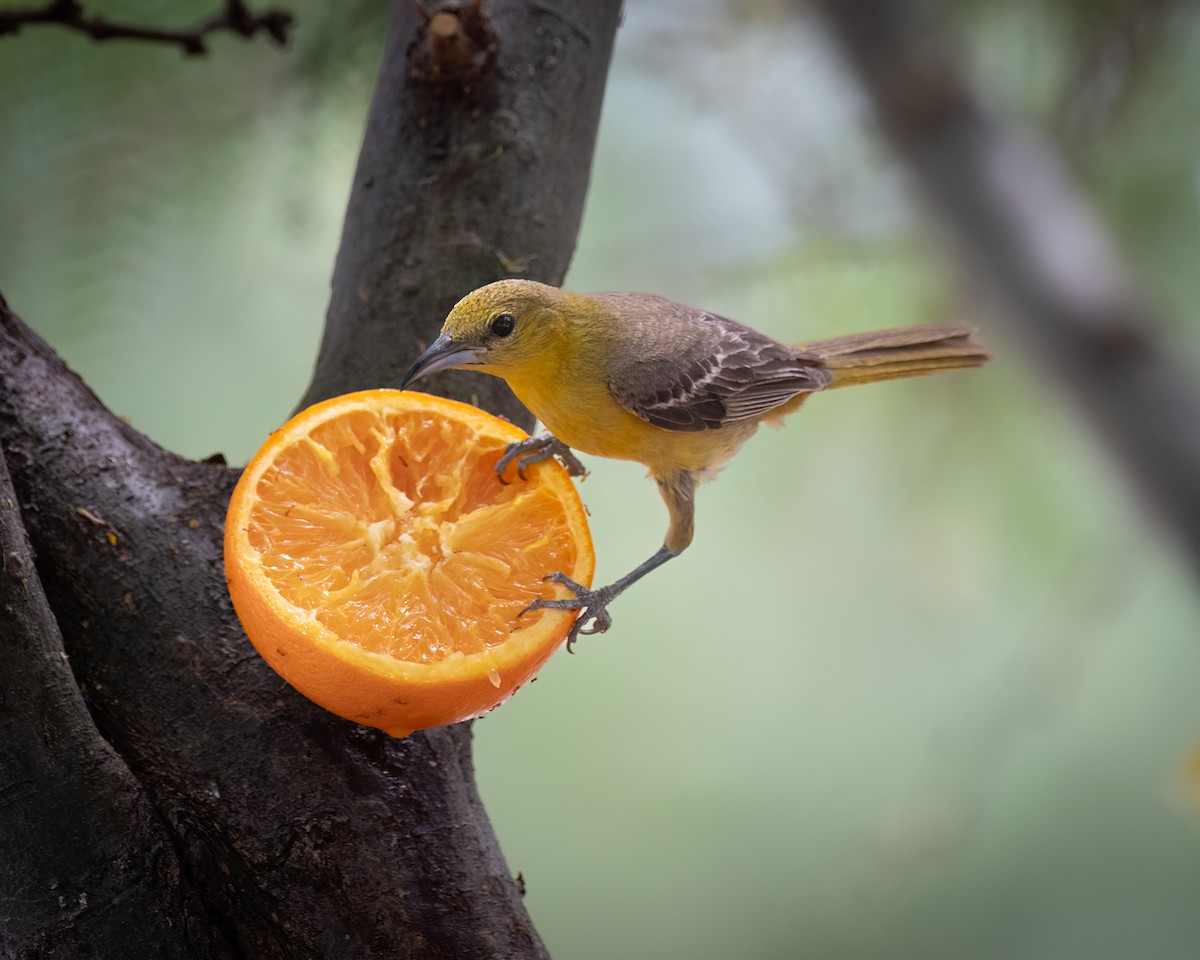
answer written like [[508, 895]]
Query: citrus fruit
[[379, 565]]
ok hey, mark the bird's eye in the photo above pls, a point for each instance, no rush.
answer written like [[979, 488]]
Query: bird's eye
[[503, 324]]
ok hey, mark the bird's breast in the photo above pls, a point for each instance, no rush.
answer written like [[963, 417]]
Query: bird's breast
[[585, 417]]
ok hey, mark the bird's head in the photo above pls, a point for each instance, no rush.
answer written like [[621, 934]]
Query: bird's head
[[501, 329]]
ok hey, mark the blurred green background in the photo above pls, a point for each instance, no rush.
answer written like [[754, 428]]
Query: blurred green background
[[925, 686]]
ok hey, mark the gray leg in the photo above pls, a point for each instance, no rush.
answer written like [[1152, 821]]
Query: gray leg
[[593, 604]]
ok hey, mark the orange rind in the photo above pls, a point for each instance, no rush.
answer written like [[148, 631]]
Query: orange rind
[[379, 565]]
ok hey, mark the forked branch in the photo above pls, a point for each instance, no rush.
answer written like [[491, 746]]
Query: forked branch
[[297, 833]]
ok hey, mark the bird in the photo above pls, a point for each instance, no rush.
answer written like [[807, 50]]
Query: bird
[[637, 376]]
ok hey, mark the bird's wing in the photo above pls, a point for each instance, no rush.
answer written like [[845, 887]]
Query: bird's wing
[[721, 373]]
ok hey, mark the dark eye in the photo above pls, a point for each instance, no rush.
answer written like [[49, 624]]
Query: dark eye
[[503, 324]]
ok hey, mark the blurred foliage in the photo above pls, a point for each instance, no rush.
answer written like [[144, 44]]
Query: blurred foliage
[[924, 686], [155, 203]]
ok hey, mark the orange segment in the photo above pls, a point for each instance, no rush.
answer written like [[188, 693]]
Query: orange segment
[[379, 565]]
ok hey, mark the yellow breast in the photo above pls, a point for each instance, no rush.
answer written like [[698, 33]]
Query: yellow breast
[[586, 418]]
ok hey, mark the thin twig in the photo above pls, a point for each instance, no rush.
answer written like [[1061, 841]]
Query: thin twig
[[234, 17]]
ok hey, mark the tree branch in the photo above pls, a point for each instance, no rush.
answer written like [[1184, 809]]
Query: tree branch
[[79, 831], [1029, 238], [304, 834], [474, 168], [193, 41]]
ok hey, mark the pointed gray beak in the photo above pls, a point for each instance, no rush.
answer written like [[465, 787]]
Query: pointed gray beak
[[442, 354]]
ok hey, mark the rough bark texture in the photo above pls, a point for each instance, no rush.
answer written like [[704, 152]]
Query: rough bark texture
[[463, 179], [83, 849], [199, 807], [1032, 242]]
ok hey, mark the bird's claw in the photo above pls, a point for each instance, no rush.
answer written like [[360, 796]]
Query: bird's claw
[[564, 580], [591, 604], [533, 450]]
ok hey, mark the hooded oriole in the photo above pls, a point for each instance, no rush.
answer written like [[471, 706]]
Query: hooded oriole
[[639, 377]]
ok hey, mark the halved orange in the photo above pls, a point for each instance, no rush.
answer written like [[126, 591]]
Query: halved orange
[[379, 565]]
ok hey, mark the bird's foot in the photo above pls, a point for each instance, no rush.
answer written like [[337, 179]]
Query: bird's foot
[[591, 604], [533, 450]]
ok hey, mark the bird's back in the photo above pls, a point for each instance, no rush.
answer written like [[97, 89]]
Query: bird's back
[[683, 368]]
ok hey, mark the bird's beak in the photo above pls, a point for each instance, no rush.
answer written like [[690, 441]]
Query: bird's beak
[[442, 354]]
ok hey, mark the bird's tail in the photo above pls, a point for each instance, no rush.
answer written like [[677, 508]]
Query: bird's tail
[[915, 351]]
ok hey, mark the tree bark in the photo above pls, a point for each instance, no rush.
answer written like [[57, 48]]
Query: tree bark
[[463, 180], [84, 852], [200, 807]]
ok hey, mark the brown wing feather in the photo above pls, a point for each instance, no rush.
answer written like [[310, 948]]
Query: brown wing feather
[[723, 373]]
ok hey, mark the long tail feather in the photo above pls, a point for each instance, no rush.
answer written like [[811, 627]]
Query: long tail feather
[[914, 351]]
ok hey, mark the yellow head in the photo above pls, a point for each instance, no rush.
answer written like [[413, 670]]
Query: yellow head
[[503, 328]]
